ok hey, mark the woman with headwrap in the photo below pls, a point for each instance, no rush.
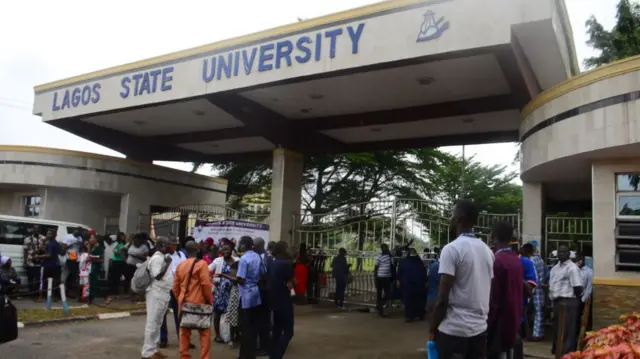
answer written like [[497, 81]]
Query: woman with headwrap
[[412, 281], [9, 280], [210, 251]]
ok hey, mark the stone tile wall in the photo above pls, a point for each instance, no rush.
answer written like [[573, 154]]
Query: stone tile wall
[[610, 301]]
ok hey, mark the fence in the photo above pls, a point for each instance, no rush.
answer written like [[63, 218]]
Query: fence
[[575, 232], [360, 228]]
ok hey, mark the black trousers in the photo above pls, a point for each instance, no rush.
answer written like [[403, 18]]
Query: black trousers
[[570, 339], [383, 292], [116, 270], [264, 326], [452, 347], [73, 279], [282, 331], [52, 272], [249, 323], [33, 278], [164, 331]]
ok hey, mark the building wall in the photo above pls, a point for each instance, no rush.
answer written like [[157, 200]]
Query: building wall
[[136, 186], [84, 207], [604, 212], [612, 300]]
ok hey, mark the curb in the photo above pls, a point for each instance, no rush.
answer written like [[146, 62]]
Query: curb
[[103, 316]]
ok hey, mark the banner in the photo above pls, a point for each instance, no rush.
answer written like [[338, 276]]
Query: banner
[[229, 229]]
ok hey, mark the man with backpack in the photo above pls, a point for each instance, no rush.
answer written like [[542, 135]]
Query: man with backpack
[[158, 286]]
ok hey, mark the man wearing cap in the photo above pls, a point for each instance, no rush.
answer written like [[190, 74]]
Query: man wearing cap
[[157, 298]]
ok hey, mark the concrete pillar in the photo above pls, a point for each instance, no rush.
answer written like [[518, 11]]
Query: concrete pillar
[[130, 209], [532, 214], [286, 188]]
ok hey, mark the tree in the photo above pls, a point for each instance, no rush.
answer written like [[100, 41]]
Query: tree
[[621, 42]]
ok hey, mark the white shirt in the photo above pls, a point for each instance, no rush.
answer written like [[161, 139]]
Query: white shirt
[[164, 285], [216, 267], [72, 243], [177, 258], [562, 278], [470, 261], [586, 274]]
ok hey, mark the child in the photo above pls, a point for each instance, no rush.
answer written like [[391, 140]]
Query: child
[[232, 308], [85, 270]]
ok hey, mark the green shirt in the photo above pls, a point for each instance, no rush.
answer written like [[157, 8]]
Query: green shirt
[[98, 251], [120, 247]]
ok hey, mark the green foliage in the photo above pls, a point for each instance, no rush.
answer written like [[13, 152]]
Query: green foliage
[[621, 42]]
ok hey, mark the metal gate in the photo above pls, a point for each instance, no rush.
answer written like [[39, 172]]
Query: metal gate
[[360, 228], [575, 232]]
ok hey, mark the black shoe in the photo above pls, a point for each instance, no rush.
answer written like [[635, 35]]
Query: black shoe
[[262, 353], [191, 346]]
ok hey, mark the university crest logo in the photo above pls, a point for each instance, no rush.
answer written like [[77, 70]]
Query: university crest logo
[[432, 29]]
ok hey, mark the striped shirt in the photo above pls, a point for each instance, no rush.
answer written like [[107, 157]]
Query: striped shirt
[[383, 262]]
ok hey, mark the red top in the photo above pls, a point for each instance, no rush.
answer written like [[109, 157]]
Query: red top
[[506, 296]]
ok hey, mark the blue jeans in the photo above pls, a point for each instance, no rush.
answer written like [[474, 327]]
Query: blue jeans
[[282, 331], [164, 335]]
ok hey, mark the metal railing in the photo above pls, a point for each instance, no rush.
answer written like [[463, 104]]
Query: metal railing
[[575, 232]]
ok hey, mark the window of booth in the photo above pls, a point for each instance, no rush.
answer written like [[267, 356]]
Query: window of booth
[[627, 222]]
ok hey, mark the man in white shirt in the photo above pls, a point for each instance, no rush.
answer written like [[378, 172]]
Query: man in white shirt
[[459, 321], [565, 289], [177, 257], [157, 298], [586, 274]]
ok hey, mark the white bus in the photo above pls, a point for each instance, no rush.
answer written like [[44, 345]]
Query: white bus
[[13, 231]]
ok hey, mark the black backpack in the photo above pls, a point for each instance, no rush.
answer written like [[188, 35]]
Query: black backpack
[[8, 320]]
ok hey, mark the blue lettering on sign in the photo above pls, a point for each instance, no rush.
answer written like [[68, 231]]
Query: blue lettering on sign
[[146, 83], [74, 97], [281, 53]]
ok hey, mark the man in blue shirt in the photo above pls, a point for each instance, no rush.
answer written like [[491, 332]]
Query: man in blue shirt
[[250, 270], [50, 262], [433, 281]]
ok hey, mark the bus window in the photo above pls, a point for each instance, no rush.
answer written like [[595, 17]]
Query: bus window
[[14, 232]]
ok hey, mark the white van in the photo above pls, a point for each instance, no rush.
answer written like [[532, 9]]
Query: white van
[[13, 231]]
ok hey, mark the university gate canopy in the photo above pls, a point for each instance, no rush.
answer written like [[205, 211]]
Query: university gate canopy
[[392, 75]]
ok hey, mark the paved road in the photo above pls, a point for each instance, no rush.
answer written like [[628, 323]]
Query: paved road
[[321, 334]]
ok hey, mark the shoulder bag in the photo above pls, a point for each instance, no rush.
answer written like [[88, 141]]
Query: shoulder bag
[[194, 315]]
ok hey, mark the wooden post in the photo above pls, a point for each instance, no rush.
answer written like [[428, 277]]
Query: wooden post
[[584, 323], [561, 328]]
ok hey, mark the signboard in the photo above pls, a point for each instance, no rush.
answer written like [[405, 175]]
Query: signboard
[[229, 229]]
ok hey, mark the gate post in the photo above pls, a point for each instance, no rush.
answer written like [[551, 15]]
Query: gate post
[[394, 213]]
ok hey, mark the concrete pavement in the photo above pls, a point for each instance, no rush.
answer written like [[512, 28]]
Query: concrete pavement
[[320, 333]]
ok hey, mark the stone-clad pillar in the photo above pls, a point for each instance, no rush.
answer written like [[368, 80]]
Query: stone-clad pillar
[[286, 188]]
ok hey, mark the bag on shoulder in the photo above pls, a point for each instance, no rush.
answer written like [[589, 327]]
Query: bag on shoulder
[[194, 315], [8, 320], [142, 278]]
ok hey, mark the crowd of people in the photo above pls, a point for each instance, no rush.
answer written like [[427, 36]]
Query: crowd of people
[[484, 292], [247, 287], [476, 295]]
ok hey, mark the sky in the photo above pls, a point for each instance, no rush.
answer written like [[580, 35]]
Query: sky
[[64, 38]]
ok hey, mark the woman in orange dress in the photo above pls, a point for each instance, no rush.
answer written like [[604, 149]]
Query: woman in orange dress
[[301, 271]]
